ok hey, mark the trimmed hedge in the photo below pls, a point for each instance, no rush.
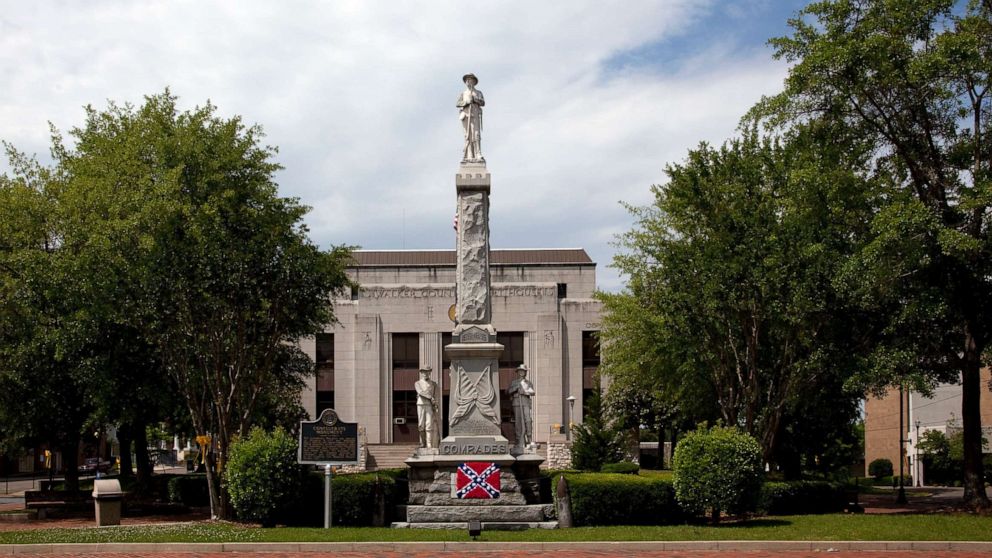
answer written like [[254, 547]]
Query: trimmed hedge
[[623, 468], [355, 499], [189, 490], [892, 480], [619, 499], [802, 497]]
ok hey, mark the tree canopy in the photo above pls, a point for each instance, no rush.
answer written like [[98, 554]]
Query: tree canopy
[[911, 78], [730, 308], [184, 262]]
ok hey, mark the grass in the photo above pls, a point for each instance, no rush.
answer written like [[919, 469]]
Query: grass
[[665, 474], [944, 527]]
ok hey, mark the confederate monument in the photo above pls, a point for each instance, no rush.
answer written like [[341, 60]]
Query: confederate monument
[[473, 473]]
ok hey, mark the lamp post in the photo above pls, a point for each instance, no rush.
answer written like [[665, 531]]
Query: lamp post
[[571, 411], [916, 449], [901, 496]]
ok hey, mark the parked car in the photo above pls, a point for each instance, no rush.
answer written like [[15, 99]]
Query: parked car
[[93, 465]]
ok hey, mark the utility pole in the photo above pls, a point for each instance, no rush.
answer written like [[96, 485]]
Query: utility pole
[[901, 497]]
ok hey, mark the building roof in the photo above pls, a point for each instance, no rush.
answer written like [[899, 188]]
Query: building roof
[[524, 256]]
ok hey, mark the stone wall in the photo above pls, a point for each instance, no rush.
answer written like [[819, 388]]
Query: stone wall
[[559, 455], [363, 455]]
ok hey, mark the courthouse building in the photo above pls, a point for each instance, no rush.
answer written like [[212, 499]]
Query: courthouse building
[[397, 320]]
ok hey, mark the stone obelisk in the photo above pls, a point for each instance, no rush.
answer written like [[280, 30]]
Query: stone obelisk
[[474, 415]]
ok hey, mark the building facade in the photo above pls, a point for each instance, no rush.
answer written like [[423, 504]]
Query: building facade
[[941, 411], [397, 320]]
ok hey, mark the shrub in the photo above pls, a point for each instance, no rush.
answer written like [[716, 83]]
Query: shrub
[[189, 490], [614, 499], [717, 469], [802, 497], [892, 480], [262, 476], [355, 498], [880, 468], [623, 468]]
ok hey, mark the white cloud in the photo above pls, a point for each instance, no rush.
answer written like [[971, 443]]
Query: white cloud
[[359, 97]]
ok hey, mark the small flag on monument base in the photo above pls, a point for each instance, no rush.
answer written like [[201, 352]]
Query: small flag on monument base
[[478, 480]]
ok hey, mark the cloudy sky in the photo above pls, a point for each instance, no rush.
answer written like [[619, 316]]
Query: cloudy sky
[[586, 101]]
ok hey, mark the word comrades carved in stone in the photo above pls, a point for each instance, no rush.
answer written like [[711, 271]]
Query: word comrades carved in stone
[[465, 448]]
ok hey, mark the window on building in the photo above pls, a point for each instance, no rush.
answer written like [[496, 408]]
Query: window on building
[[562, 290], [325, 371], [512, 357], [406, 363], [590, 365]]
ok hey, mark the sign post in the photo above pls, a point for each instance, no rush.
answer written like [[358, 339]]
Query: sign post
[[328, 441], [328, 495]]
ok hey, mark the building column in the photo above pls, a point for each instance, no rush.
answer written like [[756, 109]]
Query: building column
[[543, 351], [368, 375]]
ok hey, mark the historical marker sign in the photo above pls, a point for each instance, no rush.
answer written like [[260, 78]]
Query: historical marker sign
[[328, 440]]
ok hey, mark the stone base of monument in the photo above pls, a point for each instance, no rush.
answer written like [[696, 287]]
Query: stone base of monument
[[433, 501]]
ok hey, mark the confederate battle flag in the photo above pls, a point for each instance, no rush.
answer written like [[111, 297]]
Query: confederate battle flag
[[477, 480]]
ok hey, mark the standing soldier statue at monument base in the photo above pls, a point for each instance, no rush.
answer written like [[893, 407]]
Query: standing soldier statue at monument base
[[520, 391], [427, 409]]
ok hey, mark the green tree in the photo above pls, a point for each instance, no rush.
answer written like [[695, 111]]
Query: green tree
[[175, 242], [729, 306], [46, 358], [596, 441], [912, 79], [220, 273]]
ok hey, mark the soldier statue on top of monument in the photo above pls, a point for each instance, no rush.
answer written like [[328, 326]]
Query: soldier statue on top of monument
[[470, 104]]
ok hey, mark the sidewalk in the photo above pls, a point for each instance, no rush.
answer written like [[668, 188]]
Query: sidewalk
[[669, 549]]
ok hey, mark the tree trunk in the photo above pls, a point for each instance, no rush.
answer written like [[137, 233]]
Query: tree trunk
[[213, 487], [141, 454], [971, 422], [124, 440], [70, 461]]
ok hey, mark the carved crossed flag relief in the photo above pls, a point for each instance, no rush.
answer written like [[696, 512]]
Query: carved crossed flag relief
[[477, 480]]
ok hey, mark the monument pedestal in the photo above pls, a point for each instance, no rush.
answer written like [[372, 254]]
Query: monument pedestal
[[433, 504]]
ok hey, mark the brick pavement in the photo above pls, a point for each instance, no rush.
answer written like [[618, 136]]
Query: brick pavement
[[509, 553]]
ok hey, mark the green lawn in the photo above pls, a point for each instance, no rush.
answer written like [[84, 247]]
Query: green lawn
[[810, 527]]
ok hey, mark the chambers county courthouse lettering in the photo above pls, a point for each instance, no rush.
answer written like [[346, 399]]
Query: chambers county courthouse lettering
[[445, 292]]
